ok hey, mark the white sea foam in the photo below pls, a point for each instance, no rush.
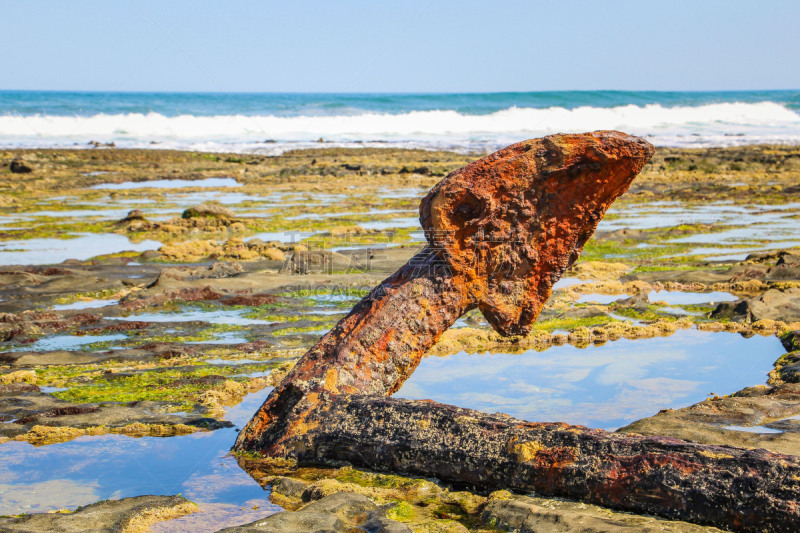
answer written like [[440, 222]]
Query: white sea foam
[[719, 124]]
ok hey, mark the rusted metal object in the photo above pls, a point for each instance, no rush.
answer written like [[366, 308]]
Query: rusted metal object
[[732, 488], [500, 231]]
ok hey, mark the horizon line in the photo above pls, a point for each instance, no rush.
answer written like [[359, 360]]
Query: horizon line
[[395, 93]]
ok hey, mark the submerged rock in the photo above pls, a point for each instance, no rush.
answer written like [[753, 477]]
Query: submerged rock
[[127, 514]]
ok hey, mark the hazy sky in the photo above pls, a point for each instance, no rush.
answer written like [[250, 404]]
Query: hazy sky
[[392, 46]]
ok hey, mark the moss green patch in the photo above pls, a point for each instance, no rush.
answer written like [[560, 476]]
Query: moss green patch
[[568, 324], [179, 385], [400, 511]]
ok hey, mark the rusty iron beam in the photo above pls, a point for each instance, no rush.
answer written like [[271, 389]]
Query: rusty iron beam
[[500, 232], [724, 486]]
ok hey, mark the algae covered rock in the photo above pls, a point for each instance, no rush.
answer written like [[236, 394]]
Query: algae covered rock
[[127, 514], [234, 249], [208, 211]]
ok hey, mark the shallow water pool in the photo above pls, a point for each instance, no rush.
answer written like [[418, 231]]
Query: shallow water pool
[[170, 184], [216, 316], [85, 246], [605, 386], [89, 469]]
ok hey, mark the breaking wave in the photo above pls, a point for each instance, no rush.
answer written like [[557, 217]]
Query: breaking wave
[[717, 124]]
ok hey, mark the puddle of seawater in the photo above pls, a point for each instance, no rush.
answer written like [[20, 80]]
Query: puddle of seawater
[[754, 429], [604, 299], [85, 304], [718, 254], [219, 361], [51, 390], [403, 193], [670, 297], [679, 311], [563, 283], [604, 386], [284, 236], [322, 216], [334, 311], [68, 342], [690, 298], [217, 316], [226, 337], [84, 246], [650, 216], [170, 184], [400, 222], [88, 469]]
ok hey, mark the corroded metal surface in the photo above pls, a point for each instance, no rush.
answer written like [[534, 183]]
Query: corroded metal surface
[[500, 232], [733, 488]]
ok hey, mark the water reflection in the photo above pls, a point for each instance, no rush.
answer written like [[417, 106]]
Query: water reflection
[[601, 386], [88, 469]]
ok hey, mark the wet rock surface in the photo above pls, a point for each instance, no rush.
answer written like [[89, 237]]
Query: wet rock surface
[[773, 304], [629, 261], [338, 513], [525, 514], [36, 412], [128, 514]]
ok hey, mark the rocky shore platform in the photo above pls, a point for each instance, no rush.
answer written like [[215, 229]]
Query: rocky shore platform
[[151, 312]]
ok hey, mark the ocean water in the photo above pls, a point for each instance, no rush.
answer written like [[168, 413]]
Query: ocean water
[[270, 123]]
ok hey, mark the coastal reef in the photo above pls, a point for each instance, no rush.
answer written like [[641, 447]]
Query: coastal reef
[[128, 330]]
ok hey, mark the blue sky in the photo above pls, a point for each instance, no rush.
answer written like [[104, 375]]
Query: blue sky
[[390, 46]]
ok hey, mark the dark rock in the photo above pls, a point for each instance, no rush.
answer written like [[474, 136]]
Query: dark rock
[[773, 304], [638, 302], [376, 523], [127, 514], [791, 340], [135, 214], [17, 388], [738, 310], [288, 486], [208, 211], [20, 166], [787, 368]]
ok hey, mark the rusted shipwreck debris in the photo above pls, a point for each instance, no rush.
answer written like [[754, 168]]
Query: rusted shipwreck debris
[[500, 232]]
